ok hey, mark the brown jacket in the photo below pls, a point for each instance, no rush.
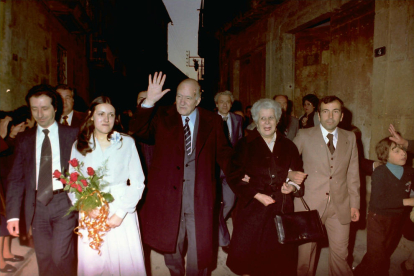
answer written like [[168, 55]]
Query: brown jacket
[[341, 182]]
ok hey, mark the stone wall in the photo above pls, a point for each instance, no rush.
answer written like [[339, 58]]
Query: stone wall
[[29, 38]]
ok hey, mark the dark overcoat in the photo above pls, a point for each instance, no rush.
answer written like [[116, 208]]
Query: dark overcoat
[[254, 248], [160, 214]]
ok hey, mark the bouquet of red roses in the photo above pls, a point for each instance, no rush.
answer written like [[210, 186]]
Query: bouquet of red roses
[[89, 194]]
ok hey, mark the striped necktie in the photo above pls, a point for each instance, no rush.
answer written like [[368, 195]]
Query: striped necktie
[[187, 136]]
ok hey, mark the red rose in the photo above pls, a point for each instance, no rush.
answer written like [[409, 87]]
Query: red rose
[[72, 184], [56, 174], [91, 172], [74, 176], [63, 181], [74, 162], [84, 182], [79, 188]]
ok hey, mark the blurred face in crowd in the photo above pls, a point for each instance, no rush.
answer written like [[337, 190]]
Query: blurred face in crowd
[[68, 101], [397, 155], [141, 96], [283, 102], [187, 97], [224, 104], [331, 114], [42, 110], [267, 123], [103, 118], [308, 107]]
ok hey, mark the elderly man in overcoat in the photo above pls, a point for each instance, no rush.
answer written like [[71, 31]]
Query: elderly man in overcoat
[[181, 194]]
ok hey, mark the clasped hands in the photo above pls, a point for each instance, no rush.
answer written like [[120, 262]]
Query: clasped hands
[[295, 176]]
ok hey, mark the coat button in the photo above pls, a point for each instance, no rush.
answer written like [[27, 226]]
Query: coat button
[[273, 176], [186, 165], [330, 177], [175, 188], [183, 180], [178, 167]]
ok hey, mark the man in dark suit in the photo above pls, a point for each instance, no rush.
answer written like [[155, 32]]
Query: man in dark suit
[[330, 159], [180, 200], [232, 126], [69, 116], [39, 151]]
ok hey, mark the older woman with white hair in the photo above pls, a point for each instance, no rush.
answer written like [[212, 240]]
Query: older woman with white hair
[[265, 156]]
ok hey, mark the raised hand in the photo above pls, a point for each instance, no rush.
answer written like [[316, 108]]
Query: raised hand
[[396, 137], [155, 92]]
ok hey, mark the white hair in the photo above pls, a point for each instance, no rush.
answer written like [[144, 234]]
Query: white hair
[[265, 104], [225, 93]]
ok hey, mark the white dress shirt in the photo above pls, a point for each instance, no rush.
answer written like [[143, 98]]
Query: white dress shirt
[[54, 141], [69, 119], [334, 133]]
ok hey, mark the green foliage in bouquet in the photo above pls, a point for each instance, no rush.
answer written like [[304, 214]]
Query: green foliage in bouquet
[[87, 189]]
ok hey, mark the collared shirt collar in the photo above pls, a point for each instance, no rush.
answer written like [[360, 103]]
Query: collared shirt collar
[[334, 133], [52, 128], [192, 116], [271, 144]]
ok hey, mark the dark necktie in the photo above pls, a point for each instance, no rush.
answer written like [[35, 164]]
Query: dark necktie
[[226, 129], [187, 136], [45, 186], [330, 143], [65, 121]]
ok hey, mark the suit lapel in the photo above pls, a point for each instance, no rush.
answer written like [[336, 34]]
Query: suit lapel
[[342, 147], [31, 149], [204, 128], [233, 129], [175, 126]]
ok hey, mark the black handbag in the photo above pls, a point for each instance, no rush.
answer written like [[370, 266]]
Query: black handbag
[[299, 227]]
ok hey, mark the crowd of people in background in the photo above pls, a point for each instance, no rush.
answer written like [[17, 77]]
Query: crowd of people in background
[[170, 195]]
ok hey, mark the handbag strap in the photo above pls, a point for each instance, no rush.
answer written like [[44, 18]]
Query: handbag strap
[[304, 204]]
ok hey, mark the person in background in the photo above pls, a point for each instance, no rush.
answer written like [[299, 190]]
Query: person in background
[[70, 117], [407, 266], [288, 125], [310, 118], [390, 189], [232, 126]]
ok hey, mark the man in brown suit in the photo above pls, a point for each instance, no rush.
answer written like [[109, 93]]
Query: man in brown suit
[[330, 158]]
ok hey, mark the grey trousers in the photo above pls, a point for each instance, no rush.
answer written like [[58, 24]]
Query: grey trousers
[[175, 261], [228, 201]]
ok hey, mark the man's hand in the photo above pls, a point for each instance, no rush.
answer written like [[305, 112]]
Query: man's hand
[[396, 138], [264, 199], [155, 92], [354, 214], [114, 221], [297, 176], [94, 213], [14, 130], [3, 126], [287, 189], [13, 227]]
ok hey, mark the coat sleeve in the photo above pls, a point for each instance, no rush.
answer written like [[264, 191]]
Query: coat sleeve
[[352, 178], [223, 151], [236, 172], [142, 124], [133, 192], [299, 141], [15, 180], [296, 165]]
